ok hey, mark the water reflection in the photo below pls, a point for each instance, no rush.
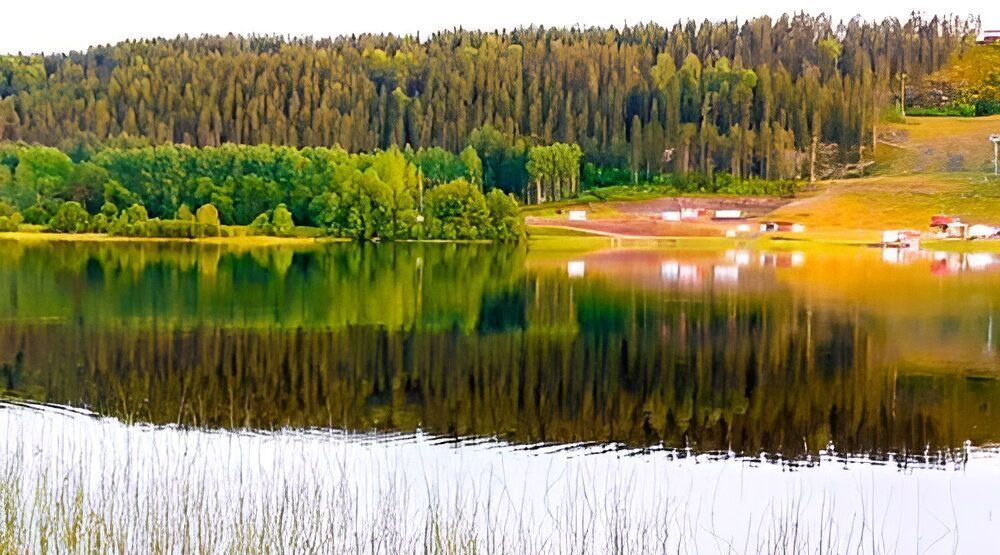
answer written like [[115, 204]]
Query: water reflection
[[751, 351]]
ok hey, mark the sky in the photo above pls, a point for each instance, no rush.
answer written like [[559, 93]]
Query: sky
[[63, 25]]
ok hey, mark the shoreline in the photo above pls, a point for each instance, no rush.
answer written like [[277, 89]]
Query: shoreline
[[578, 240]]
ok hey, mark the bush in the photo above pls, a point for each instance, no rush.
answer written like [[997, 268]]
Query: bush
[[506, 223], [457, 210], [281, 221], [760, 187], [170, 229], [987, 107], [109, 210], [129, 222], [185, 214], [99, 224], [37, 215], [949, 110], [261, 225], [6, 210], [70, 218], [11, 222]]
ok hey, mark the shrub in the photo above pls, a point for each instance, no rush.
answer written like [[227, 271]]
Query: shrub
[[261, 225], [99, 224], [987, 107], [129, 222], [208, 215], [37, 215], [506, 223], [457, 210], [70, 218], [11, 222], [171, 229], [281, 221], [185, 214], [109, 210]]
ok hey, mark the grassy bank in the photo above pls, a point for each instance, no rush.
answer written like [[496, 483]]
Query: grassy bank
[[240, 240]]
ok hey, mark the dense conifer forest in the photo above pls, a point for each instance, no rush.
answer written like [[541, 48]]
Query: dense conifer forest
[[761, 98]]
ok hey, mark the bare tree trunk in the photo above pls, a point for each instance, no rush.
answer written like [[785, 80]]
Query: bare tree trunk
[[812, 159]]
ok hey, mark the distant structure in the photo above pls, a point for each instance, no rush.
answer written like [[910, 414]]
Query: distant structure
[[990, 37]]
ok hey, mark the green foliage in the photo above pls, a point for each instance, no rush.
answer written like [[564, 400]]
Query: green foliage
[[10, 222], [36, 215], [281, 221], [109, 210], [173, 229], [261, 225], [252, 194], [100, 223], [457, 210], [86, 185], [6, 209], [555, 170], [949, 110], [988, 106], [473, 165], [70, 218], [437, 165], [41, 172], [758, 187], [721, 95], [506, 223], [208, 215], [115, 194], [185, 214]]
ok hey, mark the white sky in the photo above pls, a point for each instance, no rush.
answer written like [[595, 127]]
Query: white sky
[[63, 25]]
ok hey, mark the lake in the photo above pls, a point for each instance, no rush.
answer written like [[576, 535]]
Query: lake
[[626, 395]]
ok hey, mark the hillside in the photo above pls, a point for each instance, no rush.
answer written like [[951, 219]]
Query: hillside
[[936, 144], [931, 165], [969, 84], [750, 98], [927, 166]]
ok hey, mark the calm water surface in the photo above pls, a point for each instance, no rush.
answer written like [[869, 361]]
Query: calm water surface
[[782, 352]]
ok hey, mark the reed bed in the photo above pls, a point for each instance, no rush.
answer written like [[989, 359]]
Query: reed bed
[[73, 483]]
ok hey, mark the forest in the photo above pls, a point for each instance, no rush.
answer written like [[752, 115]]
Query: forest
[[763, 98], [184, 191]]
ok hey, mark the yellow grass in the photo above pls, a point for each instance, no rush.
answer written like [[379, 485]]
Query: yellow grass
[[248, 241], [936, 145], [971, 67], [861, 208]]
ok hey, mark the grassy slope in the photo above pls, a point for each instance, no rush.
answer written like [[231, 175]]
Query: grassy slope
[[912, 183], [937, 145]]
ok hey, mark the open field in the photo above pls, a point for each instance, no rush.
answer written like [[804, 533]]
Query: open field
[[936, 145]]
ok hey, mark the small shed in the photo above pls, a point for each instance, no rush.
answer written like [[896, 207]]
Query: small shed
[[728, 214], [690, 213]]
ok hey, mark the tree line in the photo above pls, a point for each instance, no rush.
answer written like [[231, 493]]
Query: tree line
[[758, 98], [179, 190]]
